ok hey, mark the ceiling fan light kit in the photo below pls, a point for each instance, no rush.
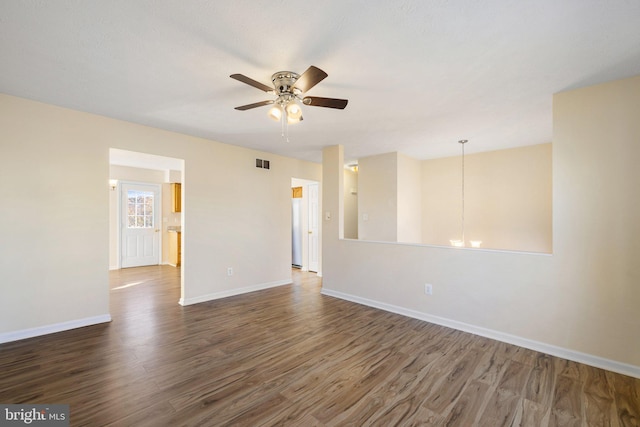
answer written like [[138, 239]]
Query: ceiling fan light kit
[[288, 88], [275, 113]]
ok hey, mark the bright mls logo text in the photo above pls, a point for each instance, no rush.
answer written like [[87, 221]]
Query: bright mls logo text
[[48, 415]]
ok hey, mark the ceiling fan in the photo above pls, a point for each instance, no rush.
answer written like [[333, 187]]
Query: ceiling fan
[[288, 88]]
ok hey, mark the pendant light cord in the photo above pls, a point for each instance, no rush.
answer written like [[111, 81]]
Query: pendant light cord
[[463, 192], [462, 142]]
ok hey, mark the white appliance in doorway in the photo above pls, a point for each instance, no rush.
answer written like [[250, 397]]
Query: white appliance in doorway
[[296, 232], [139, 224]]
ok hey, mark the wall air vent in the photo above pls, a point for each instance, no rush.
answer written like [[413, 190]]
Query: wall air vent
[[263, 164]]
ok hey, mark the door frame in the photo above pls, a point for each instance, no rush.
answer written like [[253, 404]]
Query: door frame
[[304, 183], [318, 228]]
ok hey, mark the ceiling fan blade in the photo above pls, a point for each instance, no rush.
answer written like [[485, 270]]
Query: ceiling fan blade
[[244, 79], [254, 105], [317, 101], [310, 78]]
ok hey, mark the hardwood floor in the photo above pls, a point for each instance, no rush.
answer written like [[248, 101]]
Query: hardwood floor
[[290, 356]]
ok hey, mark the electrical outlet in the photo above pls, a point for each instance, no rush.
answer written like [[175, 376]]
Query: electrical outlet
[[229, 271], [428, 289]]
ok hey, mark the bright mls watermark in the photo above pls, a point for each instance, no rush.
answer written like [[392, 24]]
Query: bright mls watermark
[[34, 415]]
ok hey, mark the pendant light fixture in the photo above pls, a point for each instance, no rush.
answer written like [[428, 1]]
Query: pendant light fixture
[[461, 243]]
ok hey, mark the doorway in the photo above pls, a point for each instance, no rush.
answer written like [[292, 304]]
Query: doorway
[[305, 226], [130, 167]]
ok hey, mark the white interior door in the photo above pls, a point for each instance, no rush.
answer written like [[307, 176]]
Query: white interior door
[[140, 225], [313, 228]]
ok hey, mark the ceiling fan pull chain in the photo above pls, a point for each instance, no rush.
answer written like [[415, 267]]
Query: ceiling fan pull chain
[[286, 116]]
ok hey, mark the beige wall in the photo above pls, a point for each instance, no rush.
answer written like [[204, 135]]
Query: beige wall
[[596, 212], [581, 302], [378, 197], [350, 204], [56, 243], [409, 199], [507, 199], [389, 198]]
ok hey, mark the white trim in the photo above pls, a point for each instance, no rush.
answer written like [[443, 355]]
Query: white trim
[[118, 225], [51, 329], [565, 353], [232, 292], [426, 245]]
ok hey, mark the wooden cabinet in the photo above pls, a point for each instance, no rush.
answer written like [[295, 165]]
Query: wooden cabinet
[[175, 245], [176, 197]]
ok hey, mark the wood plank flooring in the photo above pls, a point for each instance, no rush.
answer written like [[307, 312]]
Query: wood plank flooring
[[290, 356]]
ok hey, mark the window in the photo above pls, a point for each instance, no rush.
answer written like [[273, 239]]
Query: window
[[139, 209]]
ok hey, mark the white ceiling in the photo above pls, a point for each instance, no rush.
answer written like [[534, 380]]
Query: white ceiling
[[419, 75]]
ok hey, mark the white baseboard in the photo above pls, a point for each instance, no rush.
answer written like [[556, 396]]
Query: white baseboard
[[56, 327], [576, 356], [232, 292]]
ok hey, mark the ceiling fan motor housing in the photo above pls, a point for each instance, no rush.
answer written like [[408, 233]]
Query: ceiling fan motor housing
[[283, 82]]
